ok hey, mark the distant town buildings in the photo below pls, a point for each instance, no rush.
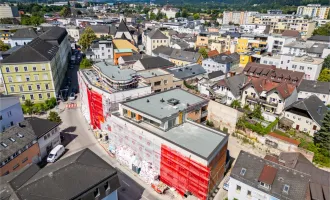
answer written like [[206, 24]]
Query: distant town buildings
[[7, 11], [314, 11]]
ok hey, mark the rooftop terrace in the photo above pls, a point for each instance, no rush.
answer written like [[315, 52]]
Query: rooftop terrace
[[152, 73]]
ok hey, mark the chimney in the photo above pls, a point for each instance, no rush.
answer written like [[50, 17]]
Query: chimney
[[319, 110]]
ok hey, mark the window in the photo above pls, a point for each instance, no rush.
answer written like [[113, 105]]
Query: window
[[96, 192], [106, 186], [249, 193], [165, 82], [288, 61], [7, 69], [238, 188], [294, 117], [282, 62], [38, 87], [36, 77], [34, 68], [27, 77], [25, 159], [10, 79], [40, 96], [15, 166], [243, 170], [30, 87], [157, 83], [23, 97], [299, 118], [9, 114], [16, 69], [102, 48], [11, 123], [12, 88], [286, 188], [133, 115], [43, 68], [19, 78], [25, 68], [47, 86], [0, 117], [102, 54], [301, 67], [48, 95], [31, 96]]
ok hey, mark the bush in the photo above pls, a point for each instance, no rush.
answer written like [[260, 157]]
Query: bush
[[209, 123]]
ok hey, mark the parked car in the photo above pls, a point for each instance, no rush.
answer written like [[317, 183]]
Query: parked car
[[72, 96], [226, 183], [55, 153]]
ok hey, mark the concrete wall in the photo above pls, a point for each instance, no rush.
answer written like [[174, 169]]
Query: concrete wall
[[51, 140], [223, 116], [305, 124], [12, 114]]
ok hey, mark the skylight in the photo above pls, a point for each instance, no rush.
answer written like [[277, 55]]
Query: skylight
[[286, 188], [4, 144], [243, 170], [12, 139]]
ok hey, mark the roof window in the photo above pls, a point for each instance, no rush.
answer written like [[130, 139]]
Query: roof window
[[286, 188], [243, 170], [4, 144]]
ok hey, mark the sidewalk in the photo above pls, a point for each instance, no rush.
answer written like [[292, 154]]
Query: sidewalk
[[169, 195]]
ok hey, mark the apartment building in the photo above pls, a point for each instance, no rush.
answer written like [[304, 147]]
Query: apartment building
[[202, 40], [103, 87], [170, 12], [253, 177], [100, 50], [249, 42], [224, 62], [38, 76], [280, 23], [236, 17], [7, 11], [159, 79], [181, 58], [317, 88], [97, 180], [306, 115], [314, 10], [74, 32], [276, 43], [10, 112], [155, 39], [158, 131], [22, 37]]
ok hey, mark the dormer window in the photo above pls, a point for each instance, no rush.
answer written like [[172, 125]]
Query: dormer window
[[264, 185], [286, 188]]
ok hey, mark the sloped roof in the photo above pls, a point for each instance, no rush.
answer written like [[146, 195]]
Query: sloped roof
[[134, 57], [313, 105], [35, 51], [314, 86], [234, 83], [215, 74], [187, 71], [122, 27], [156, 34], [284, 138], [212, 53], [25, 33], [267, 174], [100, 28], [189, 56], [322, 38], [163, 50], [225, 58], [317, 48], [291, 33], [54, 35], [123, 44], [156, 62], [41, 126]]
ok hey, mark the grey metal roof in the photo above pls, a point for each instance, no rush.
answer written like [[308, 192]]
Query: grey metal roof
[[155, 62], [41, 126], [215, 74], [299, 45], [187, 71], [60, 180], [322, 38], [317, 48], [114, 72], [314, 86], [100, 28], [156, 34], [19, 143], [188, 56], [234, 83], [152, 73], [153, 106], [297, 181], [122, 27], [225, 58], [54, 35], [37, 51], [135, 57], [163, 50], [25, 33], [313, 105]]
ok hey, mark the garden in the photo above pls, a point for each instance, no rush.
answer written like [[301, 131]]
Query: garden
[[38, 108]]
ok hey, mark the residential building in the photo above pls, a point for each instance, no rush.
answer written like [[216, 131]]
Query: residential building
[[181, 57], [18, 148], [101, 30], [10, 111], [314, 11], [236, 17], [310, 66], [22, 37], [162, 124], [321, 22], [159, 79], [319, 39], [280, 23], [169, 12], [122, 47], [223, 62], [318, 50], [251, 42], [151, 63], [254, 28], [100, 50], [128, 61], [163, 51], [276, 43], [97, 180], [189, 73], [38, 76], [296, 48], [202, 40], [124, 33], [306, 115], [212, 53], [154, 39], [256, 178], [7, 11], [47, 133], [276, 12], [102, 88], [317, 88], [74, 32]]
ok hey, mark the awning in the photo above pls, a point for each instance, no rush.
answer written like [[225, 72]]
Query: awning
[[286, 122]]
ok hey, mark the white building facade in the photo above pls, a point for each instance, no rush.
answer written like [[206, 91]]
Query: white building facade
[[11, 111]]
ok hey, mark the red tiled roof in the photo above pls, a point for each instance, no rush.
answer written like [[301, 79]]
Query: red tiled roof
[[284, 138], [291, 33], [212, 53], [272, 158], [267, 174]]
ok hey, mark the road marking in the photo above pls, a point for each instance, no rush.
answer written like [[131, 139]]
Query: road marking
[[145, 197], [126, 183]]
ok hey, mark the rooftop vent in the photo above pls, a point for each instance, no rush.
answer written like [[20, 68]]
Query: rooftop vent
[[162, 100], [20, 135], [173, 101], [148, 101]]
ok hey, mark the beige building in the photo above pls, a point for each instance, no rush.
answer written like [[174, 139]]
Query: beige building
[[7, 11], [160, 80], [314, 11], [202, 40], [280, 23]]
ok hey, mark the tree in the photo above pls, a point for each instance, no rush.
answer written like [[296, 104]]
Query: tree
[[77, 5], [235, 104], [87, 38], [257, 112], [326, 63], [196, 16], [322, 137], [29, 106], [178, 14], [323, 30], [184, 13], [85, 63], [324, 75], [152, 16], [65, 12], [203, 52], [3, 46], [54, 117]]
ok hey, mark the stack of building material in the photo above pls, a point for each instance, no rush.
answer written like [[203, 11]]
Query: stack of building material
[[147, 173], [124, 155]]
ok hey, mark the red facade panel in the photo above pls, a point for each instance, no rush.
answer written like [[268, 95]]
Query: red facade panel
[[95, 108], [184, 174]]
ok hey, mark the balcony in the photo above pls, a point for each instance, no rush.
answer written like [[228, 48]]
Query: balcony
[[204, 113], [261, 101]]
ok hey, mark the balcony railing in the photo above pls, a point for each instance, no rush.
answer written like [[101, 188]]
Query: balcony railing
[[262, 101]]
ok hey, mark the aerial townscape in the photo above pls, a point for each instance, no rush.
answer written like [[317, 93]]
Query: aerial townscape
[[164, 100]]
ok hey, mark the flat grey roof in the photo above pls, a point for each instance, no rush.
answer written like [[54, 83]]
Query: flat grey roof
[[152, 73], [161, 110], [114, 72]]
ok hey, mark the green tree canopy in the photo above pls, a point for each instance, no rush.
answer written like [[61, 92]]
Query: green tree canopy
[[65, 12], [324, 75], [178, 14], [29, 106], [77, 5], [257, 112], [184, 13], [87, 38], [85, 63], [54, 117], [235, 104], [322, 138], [196, 16], [323, 30], [152, 16], [326, 63], [3, 46], [203, 52]]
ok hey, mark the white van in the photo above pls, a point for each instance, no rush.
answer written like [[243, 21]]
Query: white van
[[55, 153]]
